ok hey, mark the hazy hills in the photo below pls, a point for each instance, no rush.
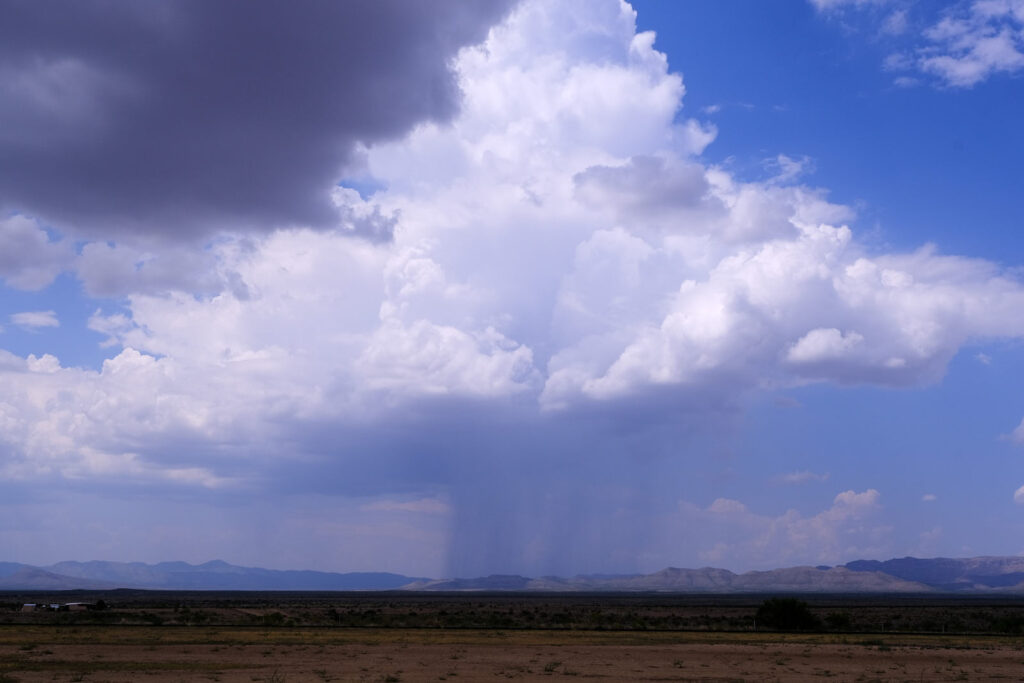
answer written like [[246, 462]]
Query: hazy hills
[[974, 573], [905, 575], [706, 580], [216, 575]]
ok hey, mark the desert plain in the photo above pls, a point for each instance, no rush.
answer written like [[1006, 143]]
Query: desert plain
[[255, 637]]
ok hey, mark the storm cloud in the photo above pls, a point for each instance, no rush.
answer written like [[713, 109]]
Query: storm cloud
[[180, 118]]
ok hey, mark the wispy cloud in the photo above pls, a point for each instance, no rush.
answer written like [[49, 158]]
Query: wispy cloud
[[787, 169], [801, 477], [969, 47], [829, 5], [969, 44], [429, 506], [1017, 435], [33, 320], [895, 23]]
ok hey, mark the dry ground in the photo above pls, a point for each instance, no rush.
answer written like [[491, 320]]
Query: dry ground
[[108, 653]]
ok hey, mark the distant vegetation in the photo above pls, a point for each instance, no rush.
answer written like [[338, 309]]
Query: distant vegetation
[[516, 611], [787, 614]]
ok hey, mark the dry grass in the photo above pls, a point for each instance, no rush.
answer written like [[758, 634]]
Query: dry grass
[[237, 655]]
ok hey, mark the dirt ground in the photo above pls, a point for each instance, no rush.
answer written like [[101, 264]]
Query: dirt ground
[[100, 653]]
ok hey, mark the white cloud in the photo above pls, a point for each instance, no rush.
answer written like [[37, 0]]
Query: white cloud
[[787, 169], [929, 498], [29, 259], [429, 506], [895, 23], [801, 477], [821, 344], [557, 245], [32, 320], [1018, 496], [725, 506], [424, 358], [971, 43], [846, 530], [966, 59], [113, 270], [1017, 435], [831, 5]]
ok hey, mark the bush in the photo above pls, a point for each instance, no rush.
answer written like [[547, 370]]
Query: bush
[[787, 614], [838, 621]]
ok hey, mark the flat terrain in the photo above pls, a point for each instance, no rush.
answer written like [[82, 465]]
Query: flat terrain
[[140, 653], [973, 615], [399, 636]]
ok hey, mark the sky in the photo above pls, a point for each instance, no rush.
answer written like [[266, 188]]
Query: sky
[[535, 286]]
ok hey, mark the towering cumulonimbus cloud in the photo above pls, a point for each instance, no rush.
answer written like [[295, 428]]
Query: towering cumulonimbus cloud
[[569, 296]]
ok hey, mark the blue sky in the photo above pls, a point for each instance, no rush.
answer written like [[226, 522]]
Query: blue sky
[[796, 80], [538, 292]]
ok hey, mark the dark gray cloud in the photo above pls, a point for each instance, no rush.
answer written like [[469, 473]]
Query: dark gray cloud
[[177, 118]]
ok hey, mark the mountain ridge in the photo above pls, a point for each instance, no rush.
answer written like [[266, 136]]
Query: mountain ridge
[[984, 574]]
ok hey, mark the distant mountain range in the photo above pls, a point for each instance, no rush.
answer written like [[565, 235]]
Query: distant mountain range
[[216, 575], [706, 580], [906, 575]]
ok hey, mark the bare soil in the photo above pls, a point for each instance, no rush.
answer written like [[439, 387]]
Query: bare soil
[[139, 653]]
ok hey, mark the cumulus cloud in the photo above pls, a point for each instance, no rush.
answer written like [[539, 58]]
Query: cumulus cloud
[[192, 117], [929, 498], [643, 184], [113, 270], [848, 529], [29, 258], [32, 320], [822, 344], [541, 251], [1018, 496]]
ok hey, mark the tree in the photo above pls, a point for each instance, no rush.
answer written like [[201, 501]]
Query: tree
[[787, 614]]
